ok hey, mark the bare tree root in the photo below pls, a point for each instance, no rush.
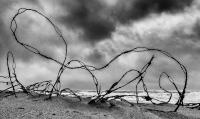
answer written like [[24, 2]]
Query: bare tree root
[[102, 96]]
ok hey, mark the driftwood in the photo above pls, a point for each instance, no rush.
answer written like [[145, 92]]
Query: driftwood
[[47, 87]]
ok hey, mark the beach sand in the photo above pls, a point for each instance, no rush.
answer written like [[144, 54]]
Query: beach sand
[[28, 107]]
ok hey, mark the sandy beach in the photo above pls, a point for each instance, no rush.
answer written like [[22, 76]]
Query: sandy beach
[[28, 107]]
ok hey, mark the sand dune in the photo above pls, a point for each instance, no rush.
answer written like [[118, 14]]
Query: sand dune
[[27, 107]]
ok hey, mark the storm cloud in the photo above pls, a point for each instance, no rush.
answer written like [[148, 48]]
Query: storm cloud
[[126, 12], [98, 21], [97, 30], [89, 17], [96, 57], [196, 28]]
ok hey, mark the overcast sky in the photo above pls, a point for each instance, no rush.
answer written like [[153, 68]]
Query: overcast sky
[[96, 31]]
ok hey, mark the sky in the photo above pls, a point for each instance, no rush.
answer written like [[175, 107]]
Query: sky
[[98, 30]]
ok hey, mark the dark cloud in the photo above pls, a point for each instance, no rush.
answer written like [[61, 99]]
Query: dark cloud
[[89, 17], [137, 9], [96, 57], [196, 28], [98, 21]]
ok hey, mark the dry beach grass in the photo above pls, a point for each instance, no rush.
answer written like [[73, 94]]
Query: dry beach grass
[[28, 107]]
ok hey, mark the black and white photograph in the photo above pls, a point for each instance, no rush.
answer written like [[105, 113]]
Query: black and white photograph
[[99, 59]]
